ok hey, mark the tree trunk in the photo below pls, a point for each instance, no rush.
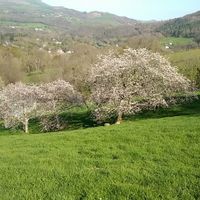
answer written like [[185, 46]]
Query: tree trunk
[[26, 125], [58, 122], [119, 117]]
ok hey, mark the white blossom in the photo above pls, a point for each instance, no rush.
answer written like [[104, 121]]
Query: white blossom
[[20, 102], [133, 80]]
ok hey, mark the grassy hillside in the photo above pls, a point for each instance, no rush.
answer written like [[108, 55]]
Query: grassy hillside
[[186, 61], [152, 156], [177, 41]]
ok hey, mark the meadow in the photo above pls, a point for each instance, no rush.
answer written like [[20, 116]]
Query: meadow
[[177, 41], [187, 62], [154, 155]]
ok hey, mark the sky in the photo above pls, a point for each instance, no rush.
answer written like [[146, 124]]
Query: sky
[[135, 9]]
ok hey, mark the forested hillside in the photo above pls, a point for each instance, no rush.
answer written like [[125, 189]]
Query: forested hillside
[[188, 26]]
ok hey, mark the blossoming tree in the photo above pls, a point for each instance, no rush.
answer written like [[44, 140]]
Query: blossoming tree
[[61, 96], [133, 80], [20, 102]]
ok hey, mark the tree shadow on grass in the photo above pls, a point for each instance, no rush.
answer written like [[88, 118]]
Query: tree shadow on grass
[[80, 118], [4, 131], [191, 108]]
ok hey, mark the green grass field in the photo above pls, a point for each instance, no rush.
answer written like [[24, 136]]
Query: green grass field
[[24, 25], [155, 155], [177, 41], [186, 61]]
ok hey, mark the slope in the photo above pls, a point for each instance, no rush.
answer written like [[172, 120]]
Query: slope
[[61, 19], [154, 158]]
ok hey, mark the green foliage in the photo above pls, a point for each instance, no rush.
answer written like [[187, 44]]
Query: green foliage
[[197, 39], [154, 158], [188, 26], [198, 78], [187, 61]]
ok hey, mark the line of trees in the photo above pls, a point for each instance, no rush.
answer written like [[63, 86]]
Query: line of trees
[[119, 83]]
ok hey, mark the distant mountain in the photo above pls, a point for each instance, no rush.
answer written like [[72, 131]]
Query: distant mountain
[[34, 14], [36, 10], [187, 26]]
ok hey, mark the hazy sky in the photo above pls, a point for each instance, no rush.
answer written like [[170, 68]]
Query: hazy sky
[[136, 9]]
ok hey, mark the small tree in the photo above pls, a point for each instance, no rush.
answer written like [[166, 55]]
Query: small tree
[[61, 96], [61, 93], [19, 102], [131, 81]]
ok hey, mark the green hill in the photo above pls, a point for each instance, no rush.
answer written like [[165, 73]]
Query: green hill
[[155, 156], [187, 62], [93, 24], [63, 20]]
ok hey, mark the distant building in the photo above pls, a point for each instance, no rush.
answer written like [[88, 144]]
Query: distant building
[[58, 43], [70, 52], [38, 29], [60, 52]]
